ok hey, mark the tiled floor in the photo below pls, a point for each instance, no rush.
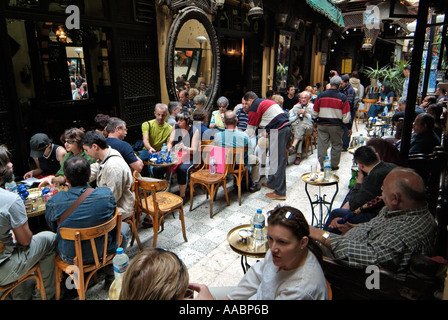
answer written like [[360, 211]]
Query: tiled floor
[[207, 255]]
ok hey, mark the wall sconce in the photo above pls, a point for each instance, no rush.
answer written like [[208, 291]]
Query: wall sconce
[[281, 18], [219, 3], [201, 40], [233, 47], [256, 9], [329, 33], [295, 23]]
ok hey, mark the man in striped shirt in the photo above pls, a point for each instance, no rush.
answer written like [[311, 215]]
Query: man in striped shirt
[[402, 228], [269, 116], [332, 111]]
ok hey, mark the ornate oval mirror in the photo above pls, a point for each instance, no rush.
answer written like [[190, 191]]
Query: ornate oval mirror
[[192, 54]]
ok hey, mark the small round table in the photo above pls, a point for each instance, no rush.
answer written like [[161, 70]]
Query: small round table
[[164, 165], [34, 204], [320, 201], [245, 249]]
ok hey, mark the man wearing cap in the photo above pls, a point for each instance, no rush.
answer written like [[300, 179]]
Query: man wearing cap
[[47, 156], [332, 111]]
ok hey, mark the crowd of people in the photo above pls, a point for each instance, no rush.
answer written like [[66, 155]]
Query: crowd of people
[[383, 220]]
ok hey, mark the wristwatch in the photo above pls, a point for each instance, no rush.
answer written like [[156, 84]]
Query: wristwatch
[[325, 236]]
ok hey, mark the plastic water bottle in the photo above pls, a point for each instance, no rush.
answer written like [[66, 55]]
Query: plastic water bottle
[[11, 186], [327, 169], [212, 165], [259, 234], [361, 140], [121, 263], [384, 113], [164, 152]]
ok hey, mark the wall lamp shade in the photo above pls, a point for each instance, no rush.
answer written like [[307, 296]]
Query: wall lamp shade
[[384, 10], [201, 40], [281, 18], [78, 50], [256, 9], [220, 3]]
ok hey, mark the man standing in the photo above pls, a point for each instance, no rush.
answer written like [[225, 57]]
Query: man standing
[[347, 89], [117, 131], [155, 132], [231, 137], [268, 115], [20, 250], [301, 122], [403, 227], [332, 111], [406, 73]]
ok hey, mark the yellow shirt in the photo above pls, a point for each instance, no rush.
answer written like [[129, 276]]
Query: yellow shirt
[[158, 134]]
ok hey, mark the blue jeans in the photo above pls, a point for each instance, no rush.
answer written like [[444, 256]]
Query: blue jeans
[[340, 213]]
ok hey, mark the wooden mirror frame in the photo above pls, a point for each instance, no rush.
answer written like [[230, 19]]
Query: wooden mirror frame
[[183, 16]]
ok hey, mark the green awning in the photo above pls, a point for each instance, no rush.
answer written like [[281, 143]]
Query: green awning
[[327, 9]]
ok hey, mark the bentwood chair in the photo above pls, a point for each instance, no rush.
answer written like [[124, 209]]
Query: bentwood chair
[[157, 204], [365, 110], [95, 236], [210, 181], [35, 273], [239, 169]]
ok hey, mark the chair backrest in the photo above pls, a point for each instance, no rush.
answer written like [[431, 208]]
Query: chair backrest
[[91, 234], [205, 153], [146, 187], [237, 164]]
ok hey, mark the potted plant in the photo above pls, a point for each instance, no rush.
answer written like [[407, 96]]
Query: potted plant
[[393, 75]]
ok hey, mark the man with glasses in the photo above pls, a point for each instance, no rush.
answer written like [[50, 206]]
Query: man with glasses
[[117, 131]]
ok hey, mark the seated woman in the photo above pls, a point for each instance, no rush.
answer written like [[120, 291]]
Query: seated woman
[[47, 156], [184, 137], [386, 98], [201, 116], [291, 269], [72, 141], [140, 282], [217, 120]]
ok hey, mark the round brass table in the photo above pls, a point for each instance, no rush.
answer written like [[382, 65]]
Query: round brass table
[[246, 249], [34, 204], [320, 201]]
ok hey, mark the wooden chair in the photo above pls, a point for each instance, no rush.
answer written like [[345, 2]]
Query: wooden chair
[[210, 181], [309, 142], [157, 204], [367, 103], [239, 169], [78, 269], [35, 273]]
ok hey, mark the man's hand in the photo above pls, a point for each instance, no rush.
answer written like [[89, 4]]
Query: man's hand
[[202, 289]]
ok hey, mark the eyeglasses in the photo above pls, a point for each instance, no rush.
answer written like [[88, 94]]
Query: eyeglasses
[[70, 141], [289, 215], [222, 106]]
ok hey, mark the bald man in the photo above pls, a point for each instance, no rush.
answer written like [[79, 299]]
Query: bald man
[[402, 228]]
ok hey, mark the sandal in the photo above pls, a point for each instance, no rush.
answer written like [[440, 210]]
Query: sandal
[[146, 223], [297, 161], [292, 149]]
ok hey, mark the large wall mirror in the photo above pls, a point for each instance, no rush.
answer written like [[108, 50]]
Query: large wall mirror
[[192, 55]]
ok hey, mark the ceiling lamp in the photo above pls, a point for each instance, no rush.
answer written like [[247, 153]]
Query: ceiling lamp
[[256, 9], [384, 8]]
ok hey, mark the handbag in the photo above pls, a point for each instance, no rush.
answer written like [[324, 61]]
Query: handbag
[[74, 205]]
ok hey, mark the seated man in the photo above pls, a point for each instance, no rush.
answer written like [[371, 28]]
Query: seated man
[[97, 208], [116, 130], [424, 138], [371, 174], [110, 171], [231, 137], [301, 122], [403, 227], [155, 133], [20, 250]]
